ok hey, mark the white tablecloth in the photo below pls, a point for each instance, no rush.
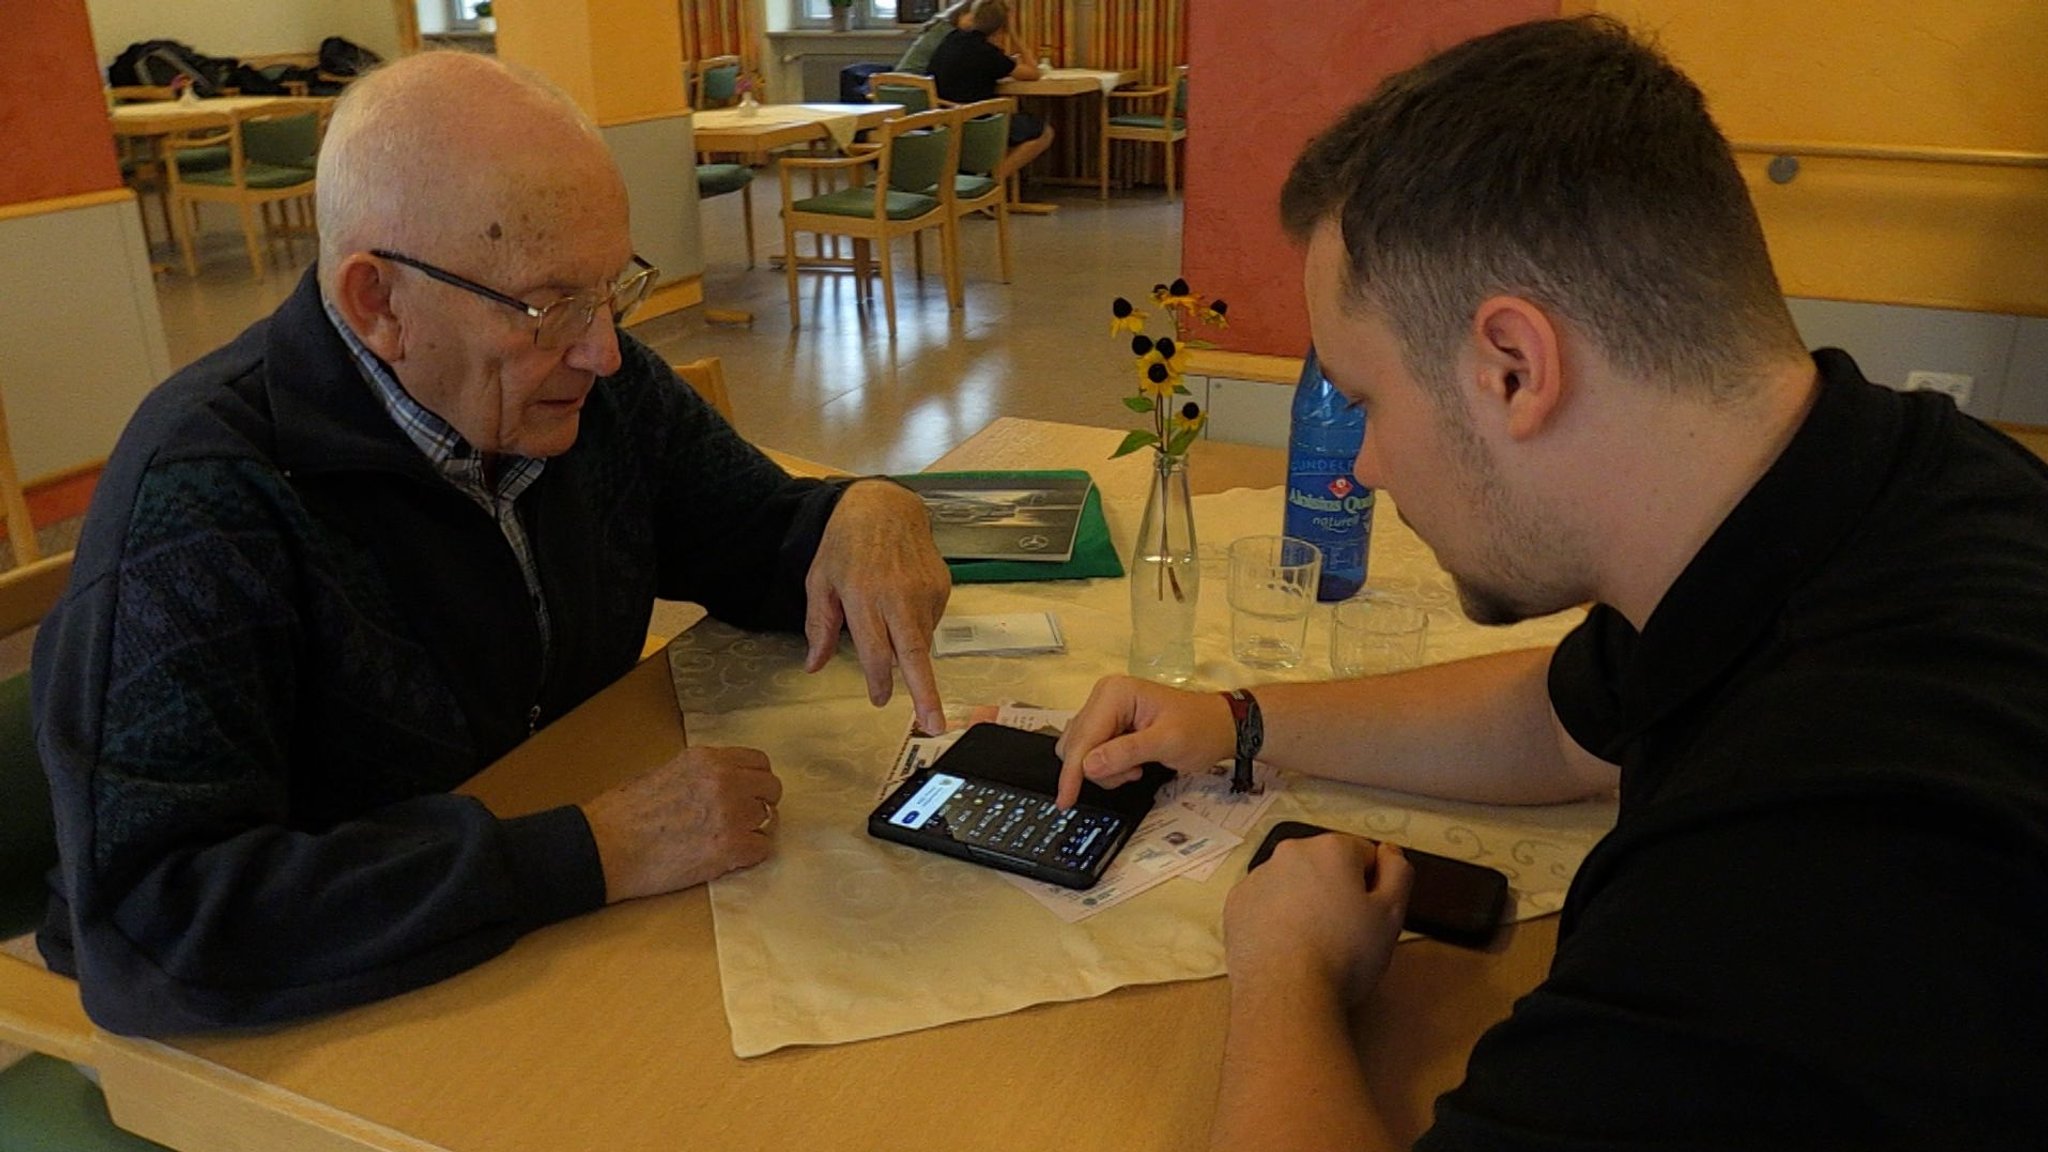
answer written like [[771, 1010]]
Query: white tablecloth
[[840, 937]]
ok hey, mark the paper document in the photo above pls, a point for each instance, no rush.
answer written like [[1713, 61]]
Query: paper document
[[1008, 634]]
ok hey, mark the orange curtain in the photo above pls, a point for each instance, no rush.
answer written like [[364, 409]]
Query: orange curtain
[[720, 28]]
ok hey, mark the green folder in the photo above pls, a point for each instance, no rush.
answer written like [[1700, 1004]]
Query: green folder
[[1094, 553]]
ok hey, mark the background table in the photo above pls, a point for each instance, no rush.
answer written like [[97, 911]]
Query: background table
[[608, 1031], [1067, 84]]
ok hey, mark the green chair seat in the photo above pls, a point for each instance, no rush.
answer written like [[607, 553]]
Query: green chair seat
[[46, 1105], [969, 187], [254, 175], [206, 159], [719, 179], [1156, 123], [861, 202]]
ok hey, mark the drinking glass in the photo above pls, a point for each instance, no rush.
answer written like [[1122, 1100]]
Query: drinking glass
[[1272, 587], [1372, 633]]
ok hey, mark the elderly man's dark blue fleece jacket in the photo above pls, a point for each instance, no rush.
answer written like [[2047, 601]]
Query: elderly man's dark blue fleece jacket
[[287, 637]]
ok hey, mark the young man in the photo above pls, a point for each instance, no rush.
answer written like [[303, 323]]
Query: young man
[[1816, 666], [972, 60], [341, 565]]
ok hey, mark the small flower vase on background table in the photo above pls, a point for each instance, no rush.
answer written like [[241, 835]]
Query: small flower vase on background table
[[1166, 577]]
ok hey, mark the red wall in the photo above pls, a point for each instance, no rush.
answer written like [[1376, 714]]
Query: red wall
[[53, 113], [1248, 121]]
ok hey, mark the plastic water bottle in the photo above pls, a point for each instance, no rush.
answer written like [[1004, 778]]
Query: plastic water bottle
[[1326, 505]]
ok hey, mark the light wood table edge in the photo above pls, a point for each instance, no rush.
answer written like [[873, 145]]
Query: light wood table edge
[[174, 1098]]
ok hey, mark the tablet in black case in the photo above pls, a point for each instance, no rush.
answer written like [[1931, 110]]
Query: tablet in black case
[[989, 799]]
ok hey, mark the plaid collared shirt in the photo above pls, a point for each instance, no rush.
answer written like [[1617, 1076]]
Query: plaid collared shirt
[[461, 464]]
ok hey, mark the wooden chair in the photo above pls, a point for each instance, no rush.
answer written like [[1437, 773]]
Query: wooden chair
[[1159, 116], [270, 161], [707, 377], [984, 143], [908, 191], [44, 1101], [142, 160], [715, 82], [916, 93], [715, 180], [21, 529]]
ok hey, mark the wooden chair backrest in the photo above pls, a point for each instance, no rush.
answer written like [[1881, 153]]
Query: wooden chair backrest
[[904, 84], [707, 376], [714, 81], [21, 531]]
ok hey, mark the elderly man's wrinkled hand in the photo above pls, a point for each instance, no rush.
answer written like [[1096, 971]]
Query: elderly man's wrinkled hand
[[878, 574]]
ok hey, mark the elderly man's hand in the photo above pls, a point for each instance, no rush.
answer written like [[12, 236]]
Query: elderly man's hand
[[878, 573], [706, 812]]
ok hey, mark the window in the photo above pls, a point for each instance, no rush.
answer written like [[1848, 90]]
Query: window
[[864, 13], [463, 13]]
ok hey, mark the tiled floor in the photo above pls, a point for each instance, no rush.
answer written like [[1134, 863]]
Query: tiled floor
[[837, 390]]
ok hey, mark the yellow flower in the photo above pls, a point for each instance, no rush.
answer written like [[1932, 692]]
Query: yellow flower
[[1125, 318], [1189, 418], [1156, 378], [1174, 295], [1215, 314]]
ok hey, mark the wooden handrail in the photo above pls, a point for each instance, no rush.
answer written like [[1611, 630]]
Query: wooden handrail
[[1978, 157]]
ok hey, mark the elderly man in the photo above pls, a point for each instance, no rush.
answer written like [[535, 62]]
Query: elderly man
[[1816, 666], [339, 566]]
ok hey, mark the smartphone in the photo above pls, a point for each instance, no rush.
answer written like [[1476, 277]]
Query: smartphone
[[989, 799], [1453, 900]]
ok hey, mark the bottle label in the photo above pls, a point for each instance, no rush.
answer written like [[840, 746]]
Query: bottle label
[[1333, 511]]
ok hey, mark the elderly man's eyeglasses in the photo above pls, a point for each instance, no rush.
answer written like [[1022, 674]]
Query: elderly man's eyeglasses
[[561, 322]]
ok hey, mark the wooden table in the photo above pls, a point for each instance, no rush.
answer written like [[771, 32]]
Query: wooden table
[[767, 127], [608, 1031], [163, 117], [1064, 83]]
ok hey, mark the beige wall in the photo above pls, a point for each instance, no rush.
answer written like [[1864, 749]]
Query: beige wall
[[243, 27]]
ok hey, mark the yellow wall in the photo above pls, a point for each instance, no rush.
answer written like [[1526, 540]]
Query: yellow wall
[[1955, 73]]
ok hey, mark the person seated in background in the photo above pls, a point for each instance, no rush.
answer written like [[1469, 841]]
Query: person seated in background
[[1816, 665], [339, 566], [918, 57], [972, 60]]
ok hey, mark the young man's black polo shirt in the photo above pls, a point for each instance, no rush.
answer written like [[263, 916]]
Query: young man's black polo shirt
[[1821, 919]]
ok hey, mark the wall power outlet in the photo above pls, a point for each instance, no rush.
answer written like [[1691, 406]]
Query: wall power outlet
[[1956, 384]]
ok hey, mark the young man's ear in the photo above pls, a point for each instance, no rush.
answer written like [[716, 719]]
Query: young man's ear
[[362, 294], [1518, 366]]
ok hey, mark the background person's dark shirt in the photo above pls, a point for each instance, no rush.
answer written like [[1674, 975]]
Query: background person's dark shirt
[[966, 67], [1821, 920]]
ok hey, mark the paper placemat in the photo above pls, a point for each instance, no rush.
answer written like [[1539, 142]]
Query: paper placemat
[[841, 937]]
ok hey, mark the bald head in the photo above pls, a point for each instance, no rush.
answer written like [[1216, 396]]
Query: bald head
[[464, 161]]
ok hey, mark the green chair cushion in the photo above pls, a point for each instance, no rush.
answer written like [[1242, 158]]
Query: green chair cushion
[[861, 202], [46, 1105], [982, 143], [205, 159], [918, 159], [285, 142], [914, 100], [1153, 122], [255, 175], [721, 83], [719, 179], [28, 834], [973, 187]]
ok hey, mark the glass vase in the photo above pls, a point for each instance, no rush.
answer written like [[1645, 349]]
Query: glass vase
[[1166, 578]]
